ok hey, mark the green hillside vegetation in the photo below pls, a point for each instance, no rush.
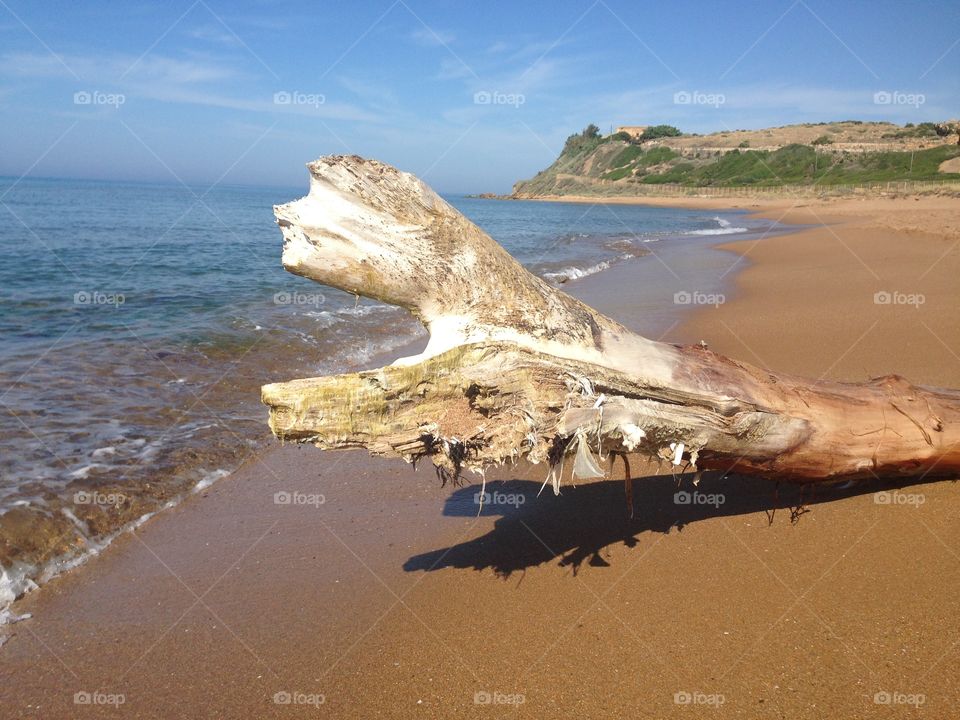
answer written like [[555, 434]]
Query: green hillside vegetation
[[617, 164], [795, 164], [926, 129]]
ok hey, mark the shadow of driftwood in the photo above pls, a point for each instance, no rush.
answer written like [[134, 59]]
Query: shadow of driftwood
[[576, 525]]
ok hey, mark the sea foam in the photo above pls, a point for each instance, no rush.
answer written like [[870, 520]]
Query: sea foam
[[726, 228]]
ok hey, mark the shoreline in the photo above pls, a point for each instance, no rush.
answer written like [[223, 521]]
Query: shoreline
[[847, 207], [592, 287], [78, 544], [359, 600], [21, 583]]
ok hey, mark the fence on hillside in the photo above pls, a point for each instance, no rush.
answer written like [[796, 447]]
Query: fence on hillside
[[893, 187]]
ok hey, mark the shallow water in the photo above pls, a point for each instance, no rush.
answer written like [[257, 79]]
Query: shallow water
[[138, 321]]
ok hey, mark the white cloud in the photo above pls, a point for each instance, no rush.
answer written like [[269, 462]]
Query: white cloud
[[188, 81], [374, 95], [114, 69], [432, 37], [453, 69], [215, 34]]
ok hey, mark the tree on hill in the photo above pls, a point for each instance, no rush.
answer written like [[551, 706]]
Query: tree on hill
[[588, 137], [659, 131]]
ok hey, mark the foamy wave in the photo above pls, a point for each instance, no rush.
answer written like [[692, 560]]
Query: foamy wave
[[22, 578], [104, 452], [362, 352], [82, 472], [335, 320], [14, 582], [718, 231], [725, 229], [364, 310], [573, 273], [209, 479]]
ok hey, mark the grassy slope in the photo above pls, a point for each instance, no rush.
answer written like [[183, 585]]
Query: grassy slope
[[876, 152]]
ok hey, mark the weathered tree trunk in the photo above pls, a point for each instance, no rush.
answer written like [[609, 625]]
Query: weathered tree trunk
[[514, 367]]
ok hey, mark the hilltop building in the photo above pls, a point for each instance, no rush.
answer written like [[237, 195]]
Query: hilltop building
[[634, 131]]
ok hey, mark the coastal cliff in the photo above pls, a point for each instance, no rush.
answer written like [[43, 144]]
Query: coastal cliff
[[825, 154]]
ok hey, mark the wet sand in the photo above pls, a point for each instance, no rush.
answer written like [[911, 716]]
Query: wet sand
[[392, 599]]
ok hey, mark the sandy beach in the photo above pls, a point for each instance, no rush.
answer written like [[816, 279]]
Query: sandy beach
[[373, 592]]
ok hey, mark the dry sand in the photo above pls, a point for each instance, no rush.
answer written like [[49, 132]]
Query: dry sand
[[392, 599]]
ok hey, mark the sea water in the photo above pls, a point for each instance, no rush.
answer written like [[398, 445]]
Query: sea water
[[138, 321]]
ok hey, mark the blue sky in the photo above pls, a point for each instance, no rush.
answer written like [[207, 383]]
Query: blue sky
[[471, 96]]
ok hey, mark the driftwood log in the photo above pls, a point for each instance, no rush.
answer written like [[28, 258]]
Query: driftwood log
[[516, 368]]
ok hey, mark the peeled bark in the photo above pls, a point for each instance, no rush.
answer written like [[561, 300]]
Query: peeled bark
[[515, 367]]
